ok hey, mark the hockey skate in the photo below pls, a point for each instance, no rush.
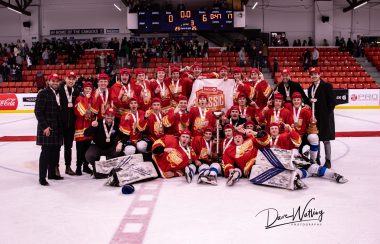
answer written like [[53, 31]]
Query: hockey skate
[[209, 179], [298, 184], [203, 174], [233, 178], [306, 156], [340, 179], [189, 174]]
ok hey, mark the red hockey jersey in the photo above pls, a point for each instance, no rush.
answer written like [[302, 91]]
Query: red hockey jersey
[[174, 161], [243, 156]]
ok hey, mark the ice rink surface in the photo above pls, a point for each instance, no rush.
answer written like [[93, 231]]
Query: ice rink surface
[[80, 209]]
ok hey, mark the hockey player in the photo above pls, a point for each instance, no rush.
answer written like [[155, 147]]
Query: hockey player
[[152, 125], [239, 86], [128, 126], [83, 119], [246, 111], [200, 116], [197, 73], [142, 89], [302, 118], [239, 159], [249, 125], [277, 114], [161, 90], [290, 139], [260, 92], [101, 100], [228, 141], [172, 155], [179, 86], [223, 72], [121, 92], [234, 117], [206, 165], [177, 119]]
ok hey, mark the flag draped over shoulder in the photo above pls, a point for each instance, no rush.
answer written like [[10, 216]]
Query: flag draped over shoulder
[[219, 93]]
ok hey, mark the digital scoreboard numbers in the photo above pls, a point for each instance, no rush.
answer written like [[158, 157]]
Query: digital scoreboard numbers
[[185, 20]]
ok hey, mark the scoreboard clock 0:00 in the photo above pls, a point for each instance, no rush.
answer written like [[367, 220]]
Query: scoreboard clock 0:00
[[185, 20]]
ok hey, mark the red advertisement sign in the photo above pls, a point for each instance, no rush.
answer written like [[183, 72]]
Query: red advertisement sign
[[8, 102]]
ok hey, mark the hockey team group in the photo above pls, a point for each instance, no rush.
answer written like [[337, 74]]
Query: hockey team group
[[131, 114]]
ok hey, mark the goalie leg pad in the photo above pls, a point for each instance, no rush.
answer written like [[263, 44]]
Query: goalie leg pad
[[282, 178]]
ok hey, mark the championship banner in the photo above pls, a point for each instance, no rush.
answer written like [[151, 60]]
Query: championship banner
[[218, 91]]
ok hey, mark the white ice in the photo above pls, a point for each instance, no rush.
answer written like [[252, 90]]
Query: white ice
[[83, 210]]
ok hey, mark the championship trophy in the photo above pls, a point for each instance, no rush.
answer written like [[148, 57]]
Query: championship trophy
[[217, 114], [312, 129]]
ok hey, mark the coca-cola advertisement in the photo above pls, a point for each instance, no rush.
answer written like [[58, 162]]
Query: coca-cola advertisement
[[8, 102]]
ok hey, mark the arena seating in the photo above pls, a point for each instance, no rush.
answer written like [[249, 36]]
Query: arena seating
[[338, 68], [373, 55], [85, 66]]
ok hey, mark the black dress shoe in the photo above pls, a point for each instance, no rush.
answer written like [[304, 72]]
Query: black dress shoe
[[78, 171], [43, 182], [87, 169], [55, 177], [69, 171]]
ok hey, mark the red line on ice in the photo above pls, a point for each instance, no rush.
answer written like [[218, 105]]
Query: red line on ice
[[129, 237]]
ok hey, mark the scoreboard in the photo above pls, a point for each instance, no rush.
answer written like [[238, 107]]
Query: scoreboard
[[185, 20]]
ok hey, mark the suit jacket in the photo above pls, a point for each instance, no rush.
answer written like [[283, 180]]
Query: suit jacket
[[294, 87], [67, 114], [324, 110], [47, 113]]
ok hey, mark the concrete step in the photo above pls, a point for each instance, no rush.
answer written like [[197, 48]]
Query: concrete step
[[369, 68]]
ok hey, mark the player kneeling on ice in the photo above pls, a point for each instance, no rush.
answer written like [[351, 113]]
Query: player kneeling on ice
[[239, 158], [172, 155], [282, 166], [205, 149]]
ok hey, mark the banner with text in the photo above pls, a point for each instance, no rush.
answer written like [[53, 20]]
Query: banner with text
[[363, 97], [219, 93], [12, 102]]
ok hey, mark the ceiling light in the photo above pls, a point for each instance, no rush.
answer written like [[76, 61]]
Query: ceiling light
[[118, 8], [254, 5], [361, 5], [14, 10]]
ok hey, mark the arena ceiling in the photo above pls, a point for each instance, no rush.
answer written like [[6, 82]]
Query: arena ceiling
[[17, 5]]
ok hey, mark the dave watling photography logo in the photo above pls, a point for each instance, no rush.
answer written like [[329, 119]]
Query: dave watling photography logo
[[302, 215]]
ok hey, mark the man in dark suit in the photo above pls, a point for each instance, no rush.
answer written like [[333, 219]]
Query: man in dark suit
[[321, 93], [287, 87], [68, 94], [49, 129]]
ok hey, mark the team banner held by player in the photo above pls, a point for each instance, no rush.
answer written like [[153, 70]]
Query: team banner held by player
[[218, 91]]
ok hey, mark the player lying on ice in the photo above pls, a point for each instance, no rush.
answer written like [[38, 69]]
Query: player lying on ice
[[278, 166]]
